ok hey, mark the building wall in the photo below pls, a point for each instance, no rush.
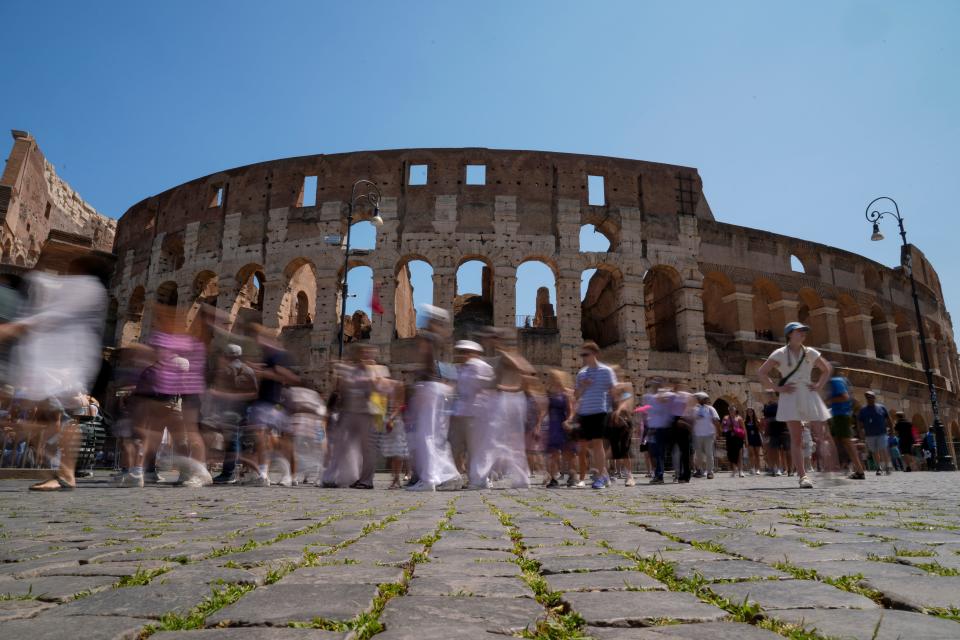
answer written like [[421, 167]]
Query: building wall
[[34, 200], [678, 294]]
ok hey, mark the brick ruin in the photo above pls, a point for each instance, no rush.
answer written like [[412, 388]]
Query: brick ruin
[[35, 203], [677, 294]]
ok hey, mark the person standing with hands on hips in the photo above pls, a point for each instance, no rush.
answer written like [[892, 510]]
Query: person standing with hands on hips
[[800, 399]]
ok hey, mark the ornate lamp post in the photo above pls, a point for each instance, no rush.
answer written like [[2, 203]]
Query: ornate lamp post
[[944, 460], [363, 191]]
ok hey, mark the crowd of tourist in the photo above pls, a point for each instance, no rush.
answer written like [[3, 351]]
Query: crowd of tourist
[[224, 397]]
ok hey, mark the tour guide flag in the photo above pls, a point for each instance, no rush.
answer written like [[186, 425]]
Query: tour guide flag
[[375, 304]]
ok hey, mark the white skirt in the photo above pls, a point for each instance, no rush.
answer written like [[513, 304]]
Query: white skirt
[[802, 405], [427, 438], [496, 439]]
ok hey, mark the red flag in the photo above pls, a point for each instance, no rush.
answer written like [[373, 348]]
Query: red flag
[[375, 305]]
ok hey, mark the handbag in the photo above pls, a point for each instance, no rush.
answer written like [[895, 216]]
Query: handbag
[[786, 378]]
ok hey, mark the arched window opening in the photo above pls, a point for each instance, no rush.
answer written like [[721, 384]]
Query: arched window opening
[[600, 306], [414, 288], [796, 265], [719, 316], [765, 293], [536, 296], [593, 240], [171, 253], [881, 333], [167, 294], [473, 306], [359, 320], [661, 291], [130, 332], [206, 289], [251, 292], [905, 339], [363, 236], [297, 307]]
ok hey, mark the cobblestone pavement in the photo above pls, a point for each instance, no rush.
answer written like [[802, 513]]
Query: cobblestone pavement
[[746, 558]]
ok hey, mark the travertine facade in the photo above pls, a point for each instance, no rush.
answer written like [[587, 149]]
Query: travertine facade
[[34, 201], [678, 293]]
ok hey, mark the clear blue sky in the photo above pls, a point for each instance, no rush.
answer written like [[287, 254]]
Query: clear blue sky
[[796, 114]]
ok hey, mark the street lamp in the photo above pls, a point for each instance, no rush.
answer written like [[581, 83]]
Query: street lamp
[[363, 191], [944, 460]]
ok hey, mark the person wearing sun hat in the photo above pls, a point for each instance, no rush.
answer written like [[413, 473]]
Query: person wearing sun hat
[[800, 399]]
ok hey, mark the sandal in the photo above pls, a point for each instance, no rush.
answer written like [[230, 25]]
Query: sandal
[[394, 485], [361, 485], [46, 485]]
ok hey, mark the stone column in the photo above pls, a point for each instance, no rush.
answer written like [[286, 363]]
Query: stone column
[[828, 316], [633, 325], [568, 318], [382, 324], [505, 297], [444, 288], [275, 287], [934, 353], [743, 311], [782, 312]]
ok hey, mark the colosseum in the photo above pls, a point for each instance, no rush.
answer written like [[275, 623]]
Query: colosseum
[[677, 293]]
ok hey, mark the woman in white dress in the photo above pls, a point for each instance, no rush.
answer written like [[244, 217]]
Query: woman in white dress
[[497, 436], [800, 399]]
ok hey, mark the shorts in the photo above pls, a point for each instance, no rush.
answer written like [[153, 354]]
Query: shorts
[[264, 415], [593, 426], [620, 437], [877, 444], [840, 426], [779, 438], [122, 428]]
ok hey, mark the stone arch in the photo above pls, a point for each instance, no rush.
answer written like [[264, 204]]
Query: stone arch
[[171, 256], [601, 292], [205, 291], [298, 304], [536, 311], [250, 293], [471, 308], [408, 295], [605, 222], [881, 333], [167, 293], [593, 239], [661, 293], [719, 312], [359, 320], [807, 313], [133, 318], [852, 338], [765, 293], [804, 261]]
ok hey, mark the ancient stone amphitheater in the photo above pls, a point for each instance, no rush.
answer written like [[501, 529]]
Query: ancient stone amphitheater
[[677, 294]]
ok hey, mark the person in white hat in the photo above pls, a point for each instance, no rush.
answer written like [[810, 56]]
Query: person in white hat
[[474, 376], [800, 399]]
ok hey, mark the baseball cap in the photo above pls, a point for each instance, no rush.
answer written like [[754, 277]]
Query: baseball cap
[[233, 350], [794, 326]]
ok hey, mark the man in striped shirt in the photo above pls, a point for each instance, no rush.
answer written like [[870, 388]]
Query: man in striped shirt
[[594, 384]]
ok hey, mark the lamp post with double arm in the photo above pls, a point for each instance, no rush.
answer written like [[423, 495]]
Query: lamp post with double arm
[[944, 460], [364, 191]]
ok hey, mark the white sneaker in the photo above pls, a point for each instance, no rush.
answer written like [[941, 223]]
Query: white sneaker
[[733, 474], [741, 474], [778, 473], [193, 482], [806, 483], [756, 472], [580, 485], [126, 480], [286, 481]]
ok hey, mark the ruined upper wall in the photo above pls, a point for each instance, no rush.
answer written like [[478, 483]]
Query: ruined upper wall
[[538, 180], [34, 200]]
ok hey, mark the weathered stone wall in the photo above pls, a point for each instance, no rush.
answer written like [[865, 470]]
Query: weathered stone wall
[[678, 294], [34, 200]]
